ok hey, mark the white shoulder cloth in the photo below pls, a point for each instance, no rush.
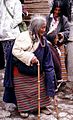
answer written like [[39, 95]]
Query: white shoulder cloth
[[23, 47]]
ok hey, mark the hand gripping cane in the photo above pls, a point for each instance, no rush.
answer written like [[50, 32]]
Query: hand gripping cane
[[38, 90]]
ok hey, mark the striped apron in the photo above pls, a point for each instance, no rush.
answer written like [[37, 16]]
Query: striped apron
[[26, 91]]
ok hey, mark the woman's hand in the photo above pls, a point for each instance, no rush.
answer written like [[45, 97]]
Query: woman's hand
[[34, 60]]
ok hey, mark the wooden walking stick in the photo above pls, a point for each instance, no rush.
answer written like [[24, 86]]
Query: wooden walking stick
[[38, 90], [56, 108]]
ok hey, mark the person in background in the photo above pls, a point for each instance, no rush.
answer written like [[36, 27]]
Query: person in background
[[67, 6], [10, 17], [57, 33], [30, 47]]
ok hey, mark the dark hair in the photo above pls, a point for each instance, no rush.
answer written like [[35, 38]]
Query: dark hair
[[22, 1], [57, 3]]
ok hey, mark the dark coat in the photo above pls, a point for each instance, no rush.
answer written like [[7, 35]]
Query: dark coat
[[57, 63], [63, 27], [67, 5], [2, 61]]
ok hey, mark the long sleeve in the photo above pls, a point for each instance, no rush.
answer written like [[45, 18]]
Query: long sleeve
[[49, 72], [8, 24], [17, 17], [22, 48], [65, 28]]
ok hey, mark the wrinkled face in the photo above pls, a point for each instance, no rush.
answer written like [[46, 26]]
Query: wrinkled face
[[57, 11], [42, 30]]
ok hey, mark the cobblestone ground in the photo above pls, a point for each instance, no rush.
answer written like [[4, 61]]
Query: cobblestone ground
[[65, 102], [65, 105]]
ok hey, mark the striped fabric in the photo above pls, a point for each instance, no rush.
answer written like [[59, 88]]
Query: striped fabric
[[27, 92], [64, 71]]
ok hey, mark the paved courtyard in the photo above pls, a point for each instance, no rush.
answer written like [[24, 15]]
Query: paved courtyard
[[65, 106]]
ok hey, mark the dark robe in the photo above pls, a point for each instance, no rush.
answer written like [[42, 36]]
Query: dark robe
[[2, 61]]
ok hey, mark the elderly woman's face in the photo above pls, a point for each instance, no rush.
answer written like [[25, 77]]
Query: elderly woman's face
[[57, 11], [42, 30]]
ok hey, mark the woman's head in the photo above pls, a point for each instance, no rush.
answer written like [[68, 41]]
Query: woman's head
[[57, 8], [37, 24]]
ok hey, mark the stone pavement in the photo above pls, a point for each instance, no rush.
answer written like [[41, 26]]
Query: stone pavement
[[65, 105]]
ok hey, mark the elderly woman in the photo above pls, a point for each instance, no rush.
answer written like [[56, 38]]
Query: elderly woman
[[57, 33], [29, 48]]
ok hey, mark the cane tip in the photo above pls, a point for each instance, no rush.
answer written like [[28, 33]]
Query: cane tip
[[57, 117]]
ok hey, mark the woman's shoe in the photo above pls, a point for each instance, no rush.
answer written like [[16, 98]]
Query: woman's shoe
[[24, 115], [9, 106]]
